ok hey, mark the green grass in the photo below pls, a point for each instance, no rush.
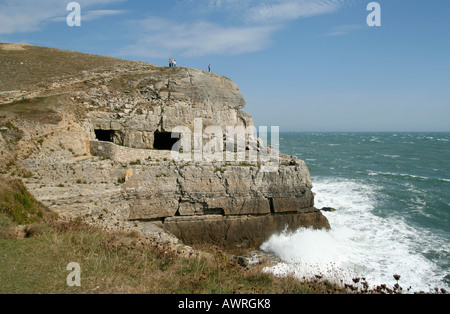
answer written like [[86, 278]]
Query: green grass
[[124, 263]]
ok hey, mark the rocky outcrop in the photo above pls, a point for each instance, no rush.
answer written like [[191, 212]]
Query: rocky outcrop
[[97, 145], [156, 102]]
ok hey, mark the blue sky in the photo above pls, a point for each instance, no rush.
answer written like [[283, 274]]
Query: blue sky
[[303, 65]]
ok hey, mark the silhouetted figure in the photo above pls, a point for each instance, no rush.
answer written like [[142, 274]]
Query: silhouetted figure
[[209, 68]]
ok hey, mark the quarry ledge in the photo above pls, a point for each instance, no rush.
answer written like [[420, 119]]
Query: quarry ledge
[[241, 232]]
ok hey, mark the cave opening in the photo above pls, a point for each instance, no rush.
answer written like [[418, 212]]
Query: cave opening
[[164, 140], [105, 135]]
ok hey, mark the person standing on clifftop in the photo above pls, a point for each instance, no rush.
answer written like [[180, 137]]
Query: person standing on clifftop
[[174, 63], [209, 68], [170, 63]]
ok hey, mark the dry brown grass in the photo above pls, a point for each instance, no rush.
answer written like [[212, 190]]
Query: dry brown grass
[[14, 47], [26, 67], [127, 263], [40, 109]]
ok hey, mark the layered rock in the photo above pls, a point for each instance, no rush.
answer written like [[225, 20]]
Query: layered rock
[[158, 101], [97, 145]]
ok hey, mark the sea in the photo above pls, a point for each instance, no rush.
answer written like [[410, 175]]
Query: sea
[[391, 192]]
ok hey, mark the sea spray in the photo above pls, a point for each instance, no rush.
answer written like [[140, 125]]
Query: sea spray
[[360, 243]]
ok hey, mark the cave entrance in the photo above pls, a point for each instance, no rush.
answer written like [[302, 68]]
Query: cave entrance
[[105, 135], [164, 140]]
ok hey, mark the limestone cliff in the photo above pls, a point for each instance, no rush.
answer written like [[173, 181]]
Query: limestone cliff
[[91, 138]]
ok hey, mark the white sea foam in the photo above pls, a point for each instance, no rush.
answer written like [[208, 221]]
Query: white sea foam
[[391, 156], [418, 200], [360, 243]]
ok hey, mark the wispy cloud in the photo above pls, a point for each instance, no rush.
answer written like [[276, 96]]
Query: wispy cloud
[[255, 23], [97, 14], [162, 37], [282, 11], [269, 11], [204, 27], [91, 15], [29, 15], [343, 30]]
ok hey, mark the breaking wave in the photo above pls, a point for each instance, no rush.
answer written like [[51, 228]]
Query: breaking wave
[[361, 243]]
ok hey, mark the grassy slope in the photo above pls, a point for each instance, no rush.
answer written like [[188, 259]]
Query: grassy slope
[[31, 67], [121, 263]]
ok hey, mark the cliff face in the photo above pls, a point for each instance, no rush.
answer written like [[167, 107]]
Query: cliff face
[[93, 141], [140, 105]]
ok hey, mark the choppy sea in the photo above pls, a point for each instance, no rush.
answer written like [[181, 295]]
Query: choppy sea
[[391, 192]]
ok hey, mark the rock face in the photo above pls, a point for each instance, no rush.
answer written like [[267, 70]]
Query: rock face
[[236, 232], [163, 100], [97, 145], [202, 189]]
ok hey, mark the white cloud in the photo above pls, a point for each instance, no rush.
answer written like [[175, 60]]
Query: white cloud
[[254, 25], [269, 11], [290, 10], [228, 27], [21, 16], [91, 15], [343, 30], [162, 38], [97, 14]]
